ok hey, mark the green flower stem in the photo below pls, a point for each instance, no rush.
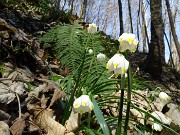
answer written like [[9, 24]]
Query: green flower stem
[[128, 99], [69, 104], [79, 120], [121, 106], [89, 120]]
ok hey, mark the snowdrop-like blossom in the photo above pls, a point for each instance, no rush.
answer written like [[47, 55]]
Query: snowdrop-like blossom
[[157, 127], [101, 57], [118, 64], [161, 117], [83, 104], [92, 28], [163, 96], [90, 51], [127, 42]]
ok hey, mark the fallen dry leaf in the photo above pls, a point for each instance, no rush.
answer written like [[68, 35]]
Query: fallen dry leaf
[[58, 94], [174, 113], [4, 115], [34, 95], [4, 26], [7, 94], [22, 75], [44, 120], [18, 127], [72, 122], [4, 128], [44, 101]]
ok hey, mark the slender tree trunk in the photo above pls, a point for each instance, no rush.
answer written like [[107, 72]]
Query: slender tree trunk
[[105, 22], [172, 27], [71, 2], [143, 37], [64, 4], [115, 26], [155, 58], [169, 46], [98, 15], [172, 48], [83, 13], [57, 4], [138, 21], [174, 45], [145, 33], [120, 17], [130, 17]]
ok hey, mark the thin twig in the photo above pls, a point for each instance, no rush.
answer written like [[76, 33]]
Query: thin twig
[[19, 105]]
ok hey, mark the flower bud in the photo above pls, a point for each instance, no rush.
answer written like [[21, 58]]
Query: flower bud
[[101, 57]]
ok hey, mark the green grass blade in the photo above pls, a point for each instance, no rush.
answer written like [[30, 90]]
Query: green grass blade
[[128, 99], [91, 131], [100, 118]]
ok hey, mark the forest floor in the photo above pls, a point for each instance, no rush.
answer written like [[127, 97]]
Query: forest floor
[[23, 65]]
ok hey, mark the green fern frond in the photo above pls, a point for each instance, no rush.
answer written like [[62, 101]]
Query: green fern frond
[[71, 44]]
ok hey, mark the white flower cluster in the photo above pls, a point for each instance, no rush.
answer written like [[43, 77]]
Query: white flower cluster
[[83, 104], [118, 64], [90, 51], [163, 96], [101, 57], [92, 28], [127, 42], [157, 127]]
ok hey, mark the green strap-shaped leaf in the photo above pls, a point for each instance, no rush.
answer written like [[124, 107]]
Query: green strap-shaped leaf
[[90, 131], [100, 118]]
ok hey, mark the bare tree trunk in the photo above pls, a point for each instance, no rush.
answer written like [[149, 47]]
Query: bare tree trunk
[[172, 27], [144, 25], [138, 22], [155, 58], [64, 4], [115, 26], [83, 13], [169, 46], [120, 17], [143, 37], [174, 58], [105, 21], [130, 17], [98, 15], [71, 2], [57, 4]]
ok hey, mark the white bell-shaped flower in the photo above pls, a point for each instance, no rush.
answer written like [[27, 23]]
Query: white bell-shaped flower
[[90, 51], [83, 104], [163, 96], [101, 57], [118, 64], [92, 28], [157, 127], [127, 42]]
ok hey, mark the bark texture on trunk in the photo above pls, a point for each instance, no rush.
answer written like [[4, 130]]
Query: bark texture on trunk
[[172, 27], [120, 17], [155, 58]]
